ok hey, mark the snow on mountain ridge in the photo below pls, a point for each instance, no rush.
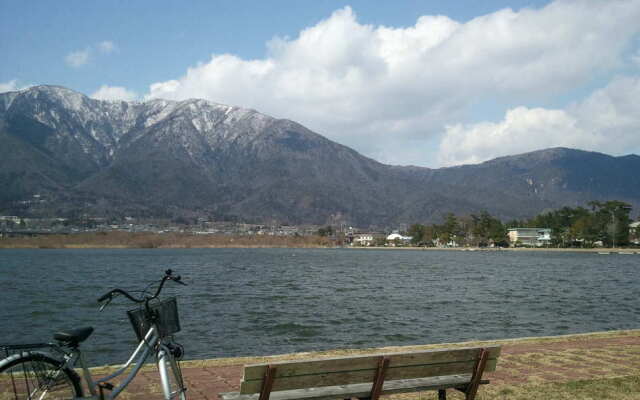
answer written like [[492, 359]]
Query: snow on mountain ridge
[[102, 129], [107, 122]]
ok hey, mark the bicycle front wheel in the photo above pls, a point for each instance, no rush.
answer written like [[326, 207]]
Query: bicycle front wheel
[[34, 375], [171, 376]]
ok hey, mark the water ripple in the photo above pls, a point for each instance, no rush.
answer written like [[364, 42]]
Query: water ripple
[[273, 301]]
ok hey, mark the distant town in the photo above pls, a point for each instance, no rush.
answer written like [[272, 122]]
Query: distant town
[[606, 224]]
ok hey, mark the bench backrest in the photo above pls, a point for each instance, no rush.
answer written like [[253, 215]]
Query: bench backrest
[[302, 374]]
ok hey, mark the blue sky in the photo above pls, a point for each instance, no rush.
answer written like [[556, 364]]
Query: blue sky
[[159, 40], [405, 82]]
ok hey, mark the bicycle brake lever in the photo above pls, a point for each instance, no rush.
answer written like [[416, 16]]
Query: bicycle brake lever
[[178, 279], [105, 304]]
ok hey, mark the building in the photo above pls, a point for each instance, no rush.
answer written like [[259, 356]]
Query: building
[[634, 232], [397, 239], [364, 239], [537, 237], [10, 218]]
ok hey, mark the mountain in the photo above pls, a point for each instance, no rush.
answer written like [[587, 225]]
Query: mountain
[[198, 158]]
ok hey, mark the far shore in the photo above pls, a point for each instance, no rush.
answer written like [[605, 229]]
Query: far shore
[[129, 240], [498, 249]]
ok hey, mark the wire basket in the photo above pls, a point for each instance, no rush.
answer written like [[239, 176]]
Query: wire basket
[[163, 313]]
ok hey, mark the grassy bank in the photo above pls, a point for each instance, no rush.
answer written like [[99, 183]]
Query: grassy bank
[[155, 240], [621, 388]]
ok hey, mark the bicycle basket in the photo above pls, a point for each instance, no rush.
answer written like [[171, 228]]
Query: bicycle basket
[[166, 318]]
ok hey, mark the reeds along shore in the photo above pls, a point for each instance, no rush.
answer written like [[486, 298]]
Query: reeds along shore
[[147, 240], [156, 240]]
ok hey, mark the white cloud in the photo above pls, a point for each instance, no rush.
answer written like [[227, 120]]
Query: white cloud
[[77, 59], [635, 59], [107, 47], [383, 90], [10, 86], [607, 121], [106, 92]]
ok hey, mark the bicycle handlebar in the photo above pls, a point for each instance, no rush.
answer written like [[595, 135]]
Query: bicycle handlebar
[[168, 275]]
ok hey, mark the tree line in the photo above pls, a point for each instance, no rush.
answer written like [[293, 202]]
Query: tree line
[[605, 223]]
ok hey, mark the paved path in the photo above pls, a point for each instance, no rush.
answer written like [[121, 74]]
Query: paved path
[[565, 359]]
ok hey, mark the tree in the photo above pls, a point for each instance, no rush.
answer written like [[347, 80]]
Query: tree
[[612, 219], [417, 233], [326, 231], [449, 229], [486, 228]]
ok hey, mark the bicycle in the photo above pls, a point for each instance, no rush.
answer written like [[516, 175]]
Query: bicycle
[[30, 373]]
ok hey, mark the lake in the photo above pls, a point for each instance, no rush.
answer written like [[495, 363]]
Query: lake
[[243, 302]]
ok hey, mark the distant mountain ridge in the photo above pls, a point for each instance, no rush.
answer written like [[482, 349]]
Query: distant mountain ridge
[[198, 158]]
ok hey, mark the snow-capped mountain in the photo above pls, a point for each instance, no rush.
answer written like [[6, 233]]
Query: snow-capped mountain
[[196, 157]]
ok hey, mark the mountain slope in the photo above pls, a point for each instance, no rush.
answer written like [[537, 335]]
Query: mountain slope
[[199, 158], [551, 178]]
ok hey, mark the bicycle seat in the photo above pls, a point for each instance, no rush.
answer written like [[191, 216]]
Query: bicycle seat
[[74, 337]]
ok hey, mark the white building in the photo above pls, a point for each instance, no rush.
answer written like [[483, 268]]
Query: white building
[[634, 232], [10, 218], [396, 238], [530, 236], [364, 239]]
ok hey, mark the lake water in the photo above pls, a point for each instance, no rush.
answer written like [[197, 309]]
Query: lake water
[[271, 301]]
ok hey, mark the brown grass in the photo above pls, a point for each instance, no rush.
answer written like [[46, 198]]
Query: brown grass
[[156, 240], [622, 388]]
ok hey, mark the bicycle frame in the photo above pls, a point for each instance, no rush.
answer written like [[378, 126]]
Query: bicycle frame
[[98, 387], [66, 355]]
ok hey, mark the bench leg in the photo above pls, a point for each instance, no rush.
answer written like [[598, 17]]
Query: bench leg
[[478, 370], [442, 394]]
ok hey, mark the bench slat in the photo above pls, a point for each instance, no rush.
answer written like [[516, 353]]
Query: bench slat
[[369, 361], [362, 389]]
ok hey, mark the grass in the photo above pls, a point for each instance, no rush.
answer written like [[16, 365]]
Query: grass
[[146, 240], [621, 388]]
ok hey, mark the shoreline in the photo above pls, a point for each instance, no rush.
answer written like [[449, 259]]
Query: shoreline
[[145, 240], [77, 246], [598, 365], [224, 361], [527, 340], [616, 250]]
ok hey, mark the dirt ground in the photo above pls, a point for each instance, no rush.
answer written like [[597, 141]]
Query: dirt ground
[[523, 362]]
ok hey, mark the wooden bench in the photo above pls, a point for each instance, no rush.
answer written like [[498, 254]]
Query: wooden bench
[[369, 376]]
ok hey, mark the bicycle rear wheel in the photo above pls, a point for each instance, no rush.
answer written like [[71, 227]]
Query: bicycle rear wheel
[[34, 375], [171, 376]]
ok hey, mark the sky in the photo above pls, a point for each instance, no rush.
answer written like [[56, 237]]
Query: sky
[[408, 82]]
